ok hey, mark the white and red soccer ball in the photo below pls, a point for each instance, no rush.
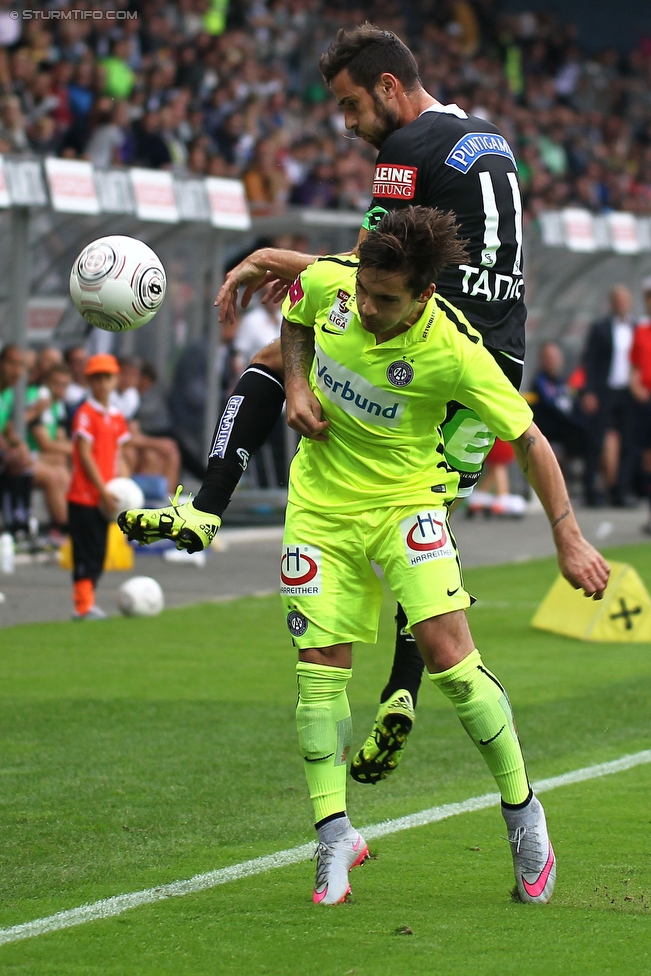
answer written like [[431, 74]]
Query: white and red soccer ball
[[117, 283]]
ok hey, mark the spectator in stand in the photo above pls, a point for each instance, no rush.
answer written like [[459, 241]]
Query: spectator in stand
[[15, 474], [43, 136], [125, 397], [265, 180], [641, 391], [47, 436], [119, 78], [80, 97], [318, 190], [47, 432], [169, 121], [48, 357], [555, 407], [43, 100], [21, 469], [607, 402], [62, 72], [149, 148], [153, 413], [13, 126], [106, 144], [76, 358], [37, 394], [197, 160], [23, 70], [80, 90]]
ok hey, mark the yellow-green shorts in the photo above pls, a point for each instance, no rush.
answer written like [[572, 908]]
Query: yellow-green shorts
[[330, 590]]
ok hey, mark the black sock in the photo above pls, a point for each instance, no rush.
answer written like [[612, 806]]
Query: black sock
[[248, 418], [408, 666], [519, 806], [327, 820]]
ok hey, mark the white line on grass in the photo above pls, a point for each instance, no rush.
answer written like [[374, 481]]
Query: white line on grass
[[109, 907]]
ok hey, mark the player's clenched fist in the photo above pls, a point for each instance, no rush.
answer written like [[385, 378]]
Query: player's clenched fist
[[304, 412]]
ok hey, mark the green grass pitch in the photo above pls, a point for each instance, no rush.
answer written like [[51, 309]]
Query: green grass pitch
[[138, 752]]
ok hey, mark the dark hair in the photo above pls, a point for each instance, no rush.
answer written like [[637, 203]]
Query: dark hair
[[148, 372], [417, 242], [58, 368], [367, 52], [129, 362], [7, 350], [67, 355]]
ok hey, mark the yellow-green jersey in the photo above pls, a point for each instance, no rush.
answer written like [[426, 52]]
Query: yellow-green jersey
[[385, 401]]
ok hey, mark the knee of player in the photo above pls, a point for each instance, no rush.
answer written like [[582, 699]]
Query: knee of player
[[271, 357]]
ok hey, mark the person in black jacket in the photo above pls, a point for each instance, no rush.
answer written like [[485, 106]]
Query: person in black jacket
[[607, 401], [555, 409]]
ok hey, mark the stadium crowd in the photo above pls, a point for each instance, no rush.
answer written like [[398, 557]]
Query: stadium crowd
[[206, 88]]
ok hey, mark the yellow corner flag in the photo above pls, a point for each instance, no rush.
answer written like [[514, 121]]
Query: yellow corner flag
[[624, 614], [119, 554]]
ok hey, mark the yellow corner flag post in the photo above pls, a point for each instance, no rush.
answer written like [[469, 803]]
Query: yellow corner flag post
[[119, 554], [624, 614]]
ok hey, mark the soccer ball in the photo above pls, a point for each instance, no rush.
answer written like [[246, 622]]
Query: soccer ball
[[127, 492], [117, 283], [141, 596]]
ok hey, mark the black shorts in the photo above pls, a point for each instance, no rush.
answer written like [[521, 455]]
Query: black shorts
[[642, 416], [88, 532]]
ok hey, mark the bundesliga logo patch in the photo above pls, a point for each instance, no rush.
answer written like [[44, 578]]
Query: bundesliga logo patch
[[398, 182], [340, 315], [400, 373], [300, 571], [426, 537]]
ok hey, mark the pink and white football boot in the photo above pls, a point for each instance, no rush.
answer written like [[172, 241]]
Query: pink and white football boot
[[534, 861], [333, 862]]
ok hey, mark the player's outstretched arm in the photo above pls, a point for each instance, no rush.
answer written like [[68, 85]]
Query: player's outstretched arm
[[580, 563], [303, 409], [270, 266]]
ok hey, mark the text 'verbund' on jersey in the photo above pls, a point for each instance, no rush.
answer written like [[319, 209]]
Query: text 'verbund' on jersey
[[355, 395]]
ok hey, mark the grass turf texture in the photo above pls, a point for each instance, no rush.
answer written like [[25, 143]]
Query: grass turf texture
[[137, 752]]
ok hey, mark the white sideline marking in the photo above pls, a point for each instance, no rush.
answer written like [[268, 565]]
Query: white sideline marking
[[109, 907]]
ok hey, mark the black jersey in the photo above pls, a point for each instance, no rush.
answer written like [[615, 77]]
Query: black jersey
[[452, 161]]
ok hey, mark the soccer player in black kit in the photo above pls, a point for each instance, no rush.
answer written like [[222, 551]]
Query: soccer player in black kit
[[430, 154]]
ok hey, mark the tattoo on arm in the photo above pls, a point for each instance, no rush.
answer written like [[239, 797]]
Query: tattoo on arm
[[298, 350], [564, 515], [529, 443]]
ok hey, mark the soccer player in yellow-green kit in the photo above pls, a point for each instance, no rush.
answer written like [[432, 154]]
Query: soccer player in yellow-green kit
[[368, 392]]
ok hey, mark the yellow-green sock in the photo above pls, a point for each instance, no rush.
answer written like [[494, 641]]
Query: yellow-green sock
[[325, 734], [485, 712]]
